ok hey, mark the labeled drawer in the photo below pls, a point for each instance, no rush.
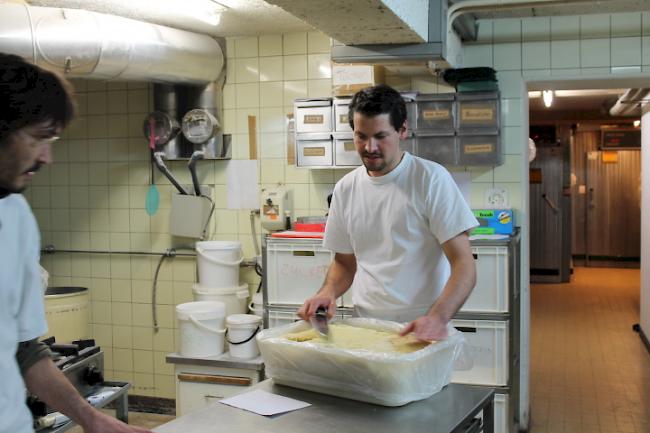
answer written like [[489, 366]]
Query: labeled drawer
[[345, 153], [478, 112], [295, 270], [313, 115], [439, 148], [341, 121], [314, 150], [491, 293], [200, 386], [480, 150], [411, 110], [435, 112], [488, 346]]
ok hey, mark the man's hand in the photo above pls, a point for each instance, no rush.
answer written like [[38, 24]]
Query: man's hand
[[99, 422], [320, 299], [427, 328]]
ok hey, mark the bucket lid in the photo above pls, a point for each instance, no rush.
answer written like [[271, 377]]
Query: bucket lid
[[197, 288], [64, 290], [243, 320], [201, 310], [218, 245]]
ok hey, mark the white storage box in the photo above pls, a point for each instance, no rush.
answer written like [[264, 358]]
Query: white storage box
[[313, 115], [314, 150], [382, 378], [488, 346], [295, 269], [341, 119], [345, 153], [491, 292], [501, 413]]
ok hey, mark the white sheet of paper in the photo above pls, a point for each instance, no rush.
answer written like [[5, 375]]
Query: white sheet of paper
[[242, 184], [264, 403], [464, 181]]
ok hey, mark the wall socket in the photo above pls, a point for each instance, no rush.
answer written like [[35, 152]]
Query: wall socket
[[496, 198]]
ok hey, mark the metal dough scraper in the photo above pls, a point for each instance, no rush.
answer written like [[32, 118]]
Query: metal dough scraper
[[319, 322]]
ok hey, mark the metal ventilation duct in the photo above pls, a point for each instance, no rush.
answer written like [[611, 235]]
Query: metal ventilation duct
[[91, 45], [629, 104]]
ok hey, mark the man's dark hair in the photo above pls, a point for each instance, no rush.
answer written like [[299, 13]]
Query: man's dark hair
[[30, 95], [382, 99]]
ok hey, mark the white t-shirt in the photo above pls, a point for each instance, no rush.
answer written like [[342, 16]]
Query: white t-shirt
[[395, 225], [22, 313]]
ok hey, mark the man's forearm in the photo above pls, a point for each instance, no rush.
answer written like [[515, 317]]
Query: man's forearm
[[456, 291], [47, 382], [339, 276]]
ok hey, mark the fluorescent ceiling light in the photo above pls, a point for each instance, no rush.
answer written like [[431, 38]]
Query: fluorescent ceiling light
[[547, 95]]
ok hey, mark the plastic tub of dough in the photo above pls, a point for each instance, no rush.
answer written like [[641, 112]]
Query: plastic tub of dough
[[386, 378]]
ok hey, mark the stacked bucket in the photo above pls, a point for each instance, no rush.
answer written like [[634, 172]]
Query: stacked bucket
[[221, 302]]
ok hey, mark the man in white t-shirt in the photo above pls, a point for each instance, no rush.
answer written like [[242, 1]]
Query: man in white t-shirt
[[398, 226], [35, 105]]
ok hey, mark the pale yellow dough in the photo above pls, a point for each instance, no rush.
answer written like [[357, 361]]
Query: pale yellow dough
[[352, 337]]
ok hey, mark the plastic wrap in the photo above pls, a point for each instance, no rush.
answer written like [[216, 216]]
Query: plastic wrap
[[388, 379]]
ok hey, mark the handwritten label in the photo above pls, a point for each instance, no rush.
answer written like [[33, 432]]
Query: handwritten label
[[479, 148], [348, 146], [290, 269], [313, 151], [477, 114], [343, 118], [313, 119], [435, 114]]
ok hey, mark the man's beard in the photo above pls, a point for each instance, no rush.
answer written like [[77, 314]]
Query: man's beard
[[368, 165]]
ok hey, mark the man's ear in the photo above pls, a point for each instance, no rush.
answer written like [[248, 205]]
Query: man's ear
[[403, 131]]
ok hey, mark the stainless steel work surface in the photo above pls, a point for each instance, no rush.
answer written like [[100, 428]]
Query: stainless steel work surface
[[441, 413], [223, 360]]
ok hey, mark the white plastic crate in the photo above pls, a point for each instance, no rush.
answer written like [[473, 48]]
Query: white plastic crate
[[278, 318], [501, 413], [488, 343], [490, 294], [295, 269]]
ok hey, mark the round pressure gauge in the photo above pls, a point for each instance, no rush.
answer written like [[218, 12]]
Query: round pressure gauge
[[160, 128], [199, 126]]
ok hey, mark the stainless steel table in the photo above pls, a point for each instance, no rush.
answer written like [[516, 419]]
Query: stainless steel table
[[451, 410]]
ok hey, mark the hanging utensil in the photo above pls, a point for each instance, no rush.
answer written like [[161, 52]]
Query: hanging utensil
[[152, 200]]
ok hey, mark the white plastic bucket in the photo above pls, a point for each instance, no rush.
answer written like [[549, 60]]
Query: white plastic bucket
[[242, 329], [201, 326], [257, 305], [66, 312], [218, 263], [233, 297]]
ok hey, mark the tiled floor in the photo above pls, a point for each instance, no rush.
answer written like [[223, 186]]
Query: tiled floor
[[590, 373]]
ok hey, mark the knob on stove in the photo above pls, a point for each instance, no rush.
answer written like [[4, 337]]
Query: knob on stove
[[93, 375]]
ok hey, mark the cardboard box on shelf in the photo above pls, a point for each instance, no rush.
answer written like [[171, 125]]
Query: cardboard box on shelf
[[349, 79]]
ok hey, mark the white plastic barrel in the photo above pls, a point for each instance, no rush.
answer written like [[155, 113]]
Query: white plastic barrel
[[218, 263], [257, 305], [242, 329], [66, 312], [201, 326], [235, 298]]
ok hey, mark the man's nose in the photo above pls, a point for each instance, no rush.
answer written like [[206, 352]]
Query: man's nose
[[45, 155], [372, 146]]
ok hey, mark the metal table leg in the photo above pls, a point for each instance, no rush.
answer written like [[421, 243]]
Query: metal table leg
[[122, 408]]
